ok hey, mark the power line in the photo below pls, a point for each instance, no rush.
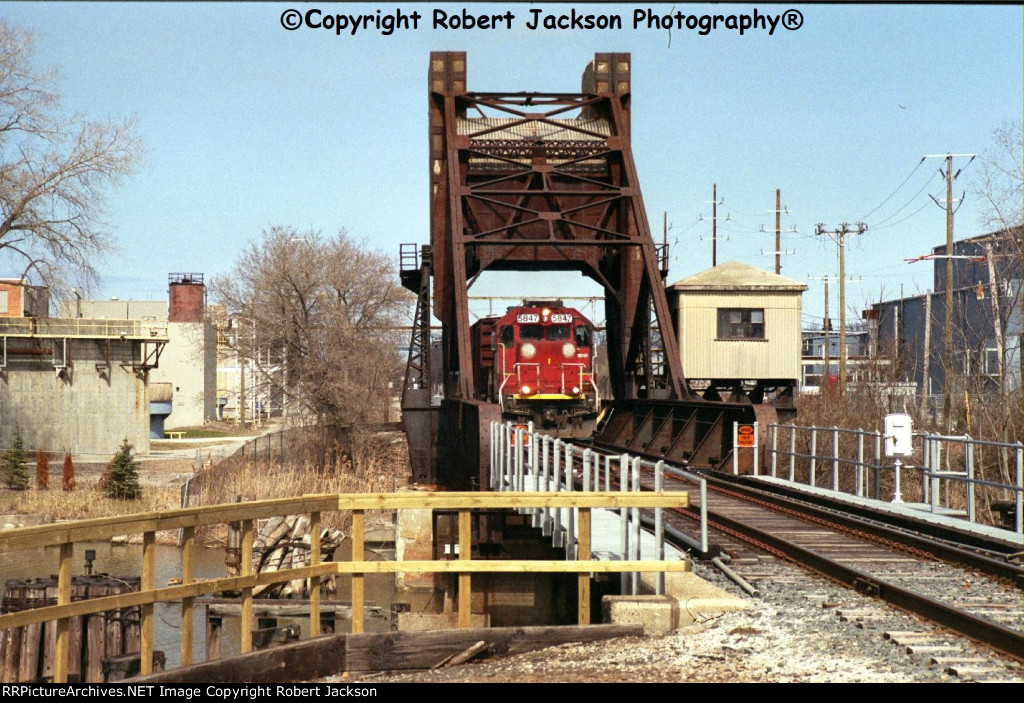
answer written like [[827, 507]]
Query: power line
[[897, 222], [864, 217], [905, 205]]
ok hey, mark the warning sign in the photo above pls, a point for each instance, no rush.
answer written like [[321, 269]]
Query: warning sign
[[745, 436], [526, 437]]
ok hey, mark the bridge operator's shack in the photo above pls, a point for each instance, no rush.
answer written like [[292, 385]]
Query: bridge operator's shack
[[738, 329]]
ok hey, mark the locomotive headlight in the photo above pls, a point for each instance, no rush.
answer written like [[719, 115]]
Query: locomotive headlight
[[527, 351], [526, 390], [568, 350], [575, 390]]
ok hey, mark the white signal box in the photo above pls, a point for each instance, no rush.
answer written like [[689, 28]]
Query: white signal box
[[899, 435]]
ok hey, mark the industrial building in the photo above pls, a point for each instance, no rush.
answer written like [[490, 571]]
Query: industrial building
[[183, 386], [819, 358], [74, 384], [19, 299], [986, 319]]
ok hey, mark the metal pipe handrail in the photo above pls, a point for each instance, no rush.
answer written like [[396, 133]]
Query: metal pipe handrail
[[552, 459], [931, 474]]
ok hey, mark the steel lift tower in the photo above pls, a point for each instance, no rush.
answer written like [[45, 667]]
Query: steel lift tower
[[533, 182]]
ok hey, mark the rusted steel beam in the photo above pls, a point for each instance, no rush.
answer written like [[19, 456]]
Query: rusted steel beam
[[690, 433], [546, 181]]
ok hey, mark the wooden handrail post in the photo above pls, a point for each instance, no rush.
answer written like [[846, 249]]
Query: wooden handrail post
[[148, 584], [314, 581], [188, 553], [64, 536], [358, 583], [583, 580], [465, 579], [245, 637], [60, 664]]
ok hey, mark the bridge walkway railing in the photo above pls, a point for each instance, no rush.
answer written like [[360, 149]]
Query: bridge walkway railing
[[64, 536], [956, 475], [523, 460]]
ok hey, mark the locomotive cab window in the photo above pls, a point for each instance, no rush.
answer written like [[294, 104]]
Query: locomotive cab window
[[507, 334], [559, 332], [740, 323], [531, 332], [582, 336]]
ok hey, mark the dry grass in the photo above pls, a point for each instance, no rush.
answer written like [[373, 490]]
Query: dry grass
[[85, 503], [382, 470]]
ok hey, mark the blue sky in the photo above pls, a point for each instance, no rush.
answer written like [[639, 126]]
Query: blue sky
[[248, 125]]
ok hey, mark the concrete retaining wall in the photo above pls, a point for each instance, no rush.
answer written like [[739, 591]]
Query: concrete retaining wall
[[87, 410]]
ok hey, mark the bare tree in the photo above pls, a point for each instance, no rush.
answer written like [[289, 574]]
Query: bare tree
[[320, 319], [54, 171], [1002, 178], [1001, 186]]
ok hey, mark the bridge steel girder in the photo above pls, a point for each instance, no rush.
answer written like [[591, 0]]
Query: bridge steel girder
[[546, 181], [694, 434]]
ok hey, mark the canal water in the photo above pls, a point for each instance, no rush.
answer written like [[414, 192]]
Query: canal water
[[126, 560]]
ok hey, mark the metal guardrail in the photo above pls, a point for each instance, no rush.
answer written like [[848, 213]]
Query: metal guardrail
[[153, 330], [523, 461], [65, 535], [851, 461]]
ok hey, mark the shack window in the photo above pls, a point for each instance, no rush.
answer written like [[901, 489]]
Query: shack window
[[506, 336], [558, 332], [741, 323]]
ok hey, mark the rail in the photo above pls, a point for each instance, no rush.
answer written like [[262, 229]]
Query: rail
[[65, 535], [955, 476], [523, 460]]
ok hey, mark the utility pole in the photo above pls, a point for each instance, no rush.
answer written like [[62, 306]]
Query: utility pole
[[926, 372], [947, 331], [663, 259], [778, 231], [993, 288], [839, 236], [714, 225], [825, 326]]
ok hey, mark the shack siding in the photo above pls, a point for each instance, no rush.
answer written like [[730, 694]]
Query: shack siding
[[704, 356]]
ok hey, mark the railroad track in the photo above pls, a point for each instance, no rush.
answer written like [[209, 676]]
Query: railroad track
[[963, 584], [864, 624]]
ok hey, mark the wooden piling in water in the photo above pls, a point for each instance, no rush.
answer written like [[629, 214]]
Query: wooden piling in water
[[29, 653]]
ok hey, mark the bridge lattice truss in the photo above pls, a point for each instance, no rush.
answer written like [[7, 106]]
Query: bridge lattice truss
[[546, 181]]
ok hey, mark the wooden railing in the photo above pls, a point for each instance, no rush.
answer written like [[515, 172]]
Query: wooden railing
[[65, 535]]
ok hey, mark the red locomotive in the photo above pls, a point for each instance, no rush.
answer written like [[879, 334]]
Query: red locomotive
[[537, 362]]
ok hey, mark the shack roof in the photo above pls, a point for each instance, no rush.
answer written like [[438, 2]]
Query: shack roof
[[733, 275]]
